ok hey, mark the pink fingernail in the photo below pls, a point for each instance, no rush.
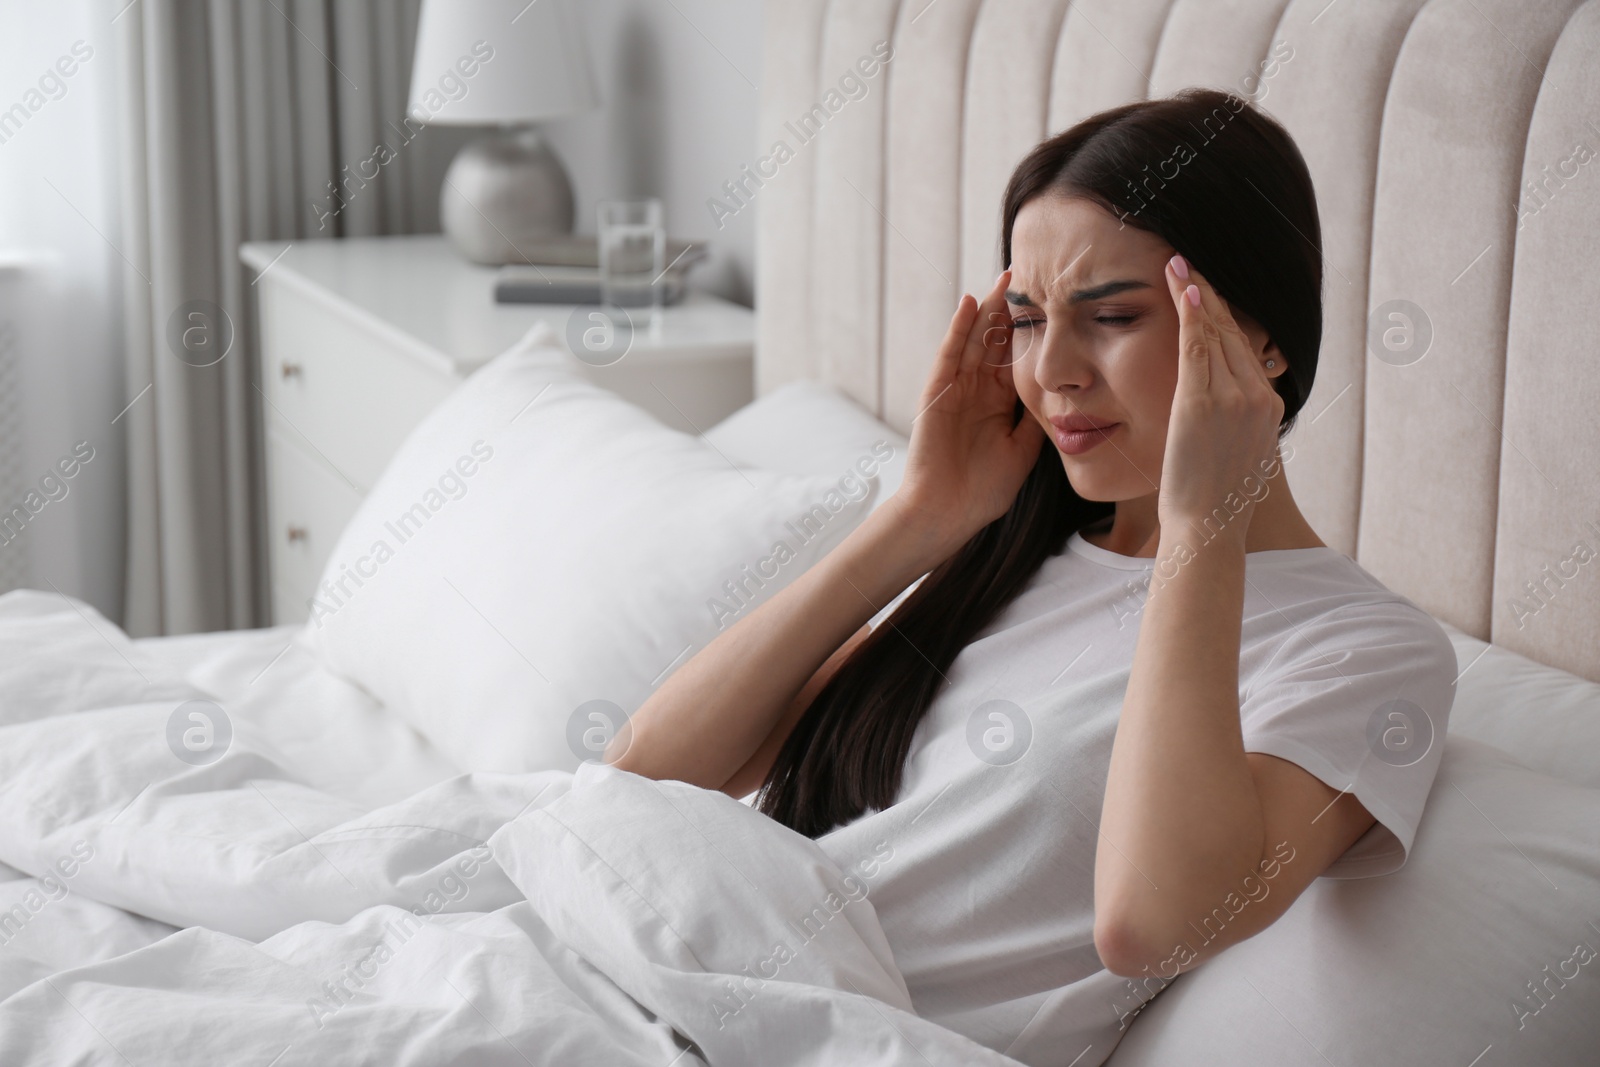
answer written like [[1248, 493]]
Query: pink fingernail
[[1180, 266], [1193, 293]]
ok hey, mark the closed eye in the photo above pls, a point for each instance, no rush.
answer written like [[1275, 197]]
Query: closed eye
[[1115, 320], [1025, 324]]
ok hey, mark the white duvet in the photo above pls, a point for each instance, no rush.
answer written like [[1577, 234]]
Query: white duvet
[[327, 892]]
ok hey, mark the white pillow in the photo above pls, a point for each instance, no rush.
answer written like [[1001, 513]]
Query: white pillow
[[540, 554], [1546, 717], [1435, 963], [810, 428]]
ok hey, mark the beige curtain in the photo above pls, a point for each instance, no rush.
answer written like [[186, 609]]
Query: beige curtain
[[236, 117]]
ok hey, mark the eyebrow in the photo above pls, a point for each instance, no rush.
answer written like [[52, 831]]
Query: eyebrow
[[1098, 292]]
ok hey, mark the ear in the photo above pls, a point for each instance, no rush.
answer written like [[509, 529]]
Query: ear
[[1268, 353], [1265, 347]]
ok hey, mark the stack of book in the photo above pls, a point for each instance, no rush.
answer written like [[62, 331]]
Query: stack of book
[[565, 269]]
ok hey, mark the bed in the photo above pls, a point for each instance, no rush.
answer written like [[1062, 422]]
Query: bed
[[384, 837]]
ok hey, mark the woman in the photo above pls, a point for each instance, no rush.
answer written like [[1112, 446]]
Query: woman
[[1136, 705]]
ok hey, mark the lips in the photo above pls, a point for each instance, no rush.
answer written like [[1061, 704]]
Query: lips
[[1076, 434], [1079, 423]]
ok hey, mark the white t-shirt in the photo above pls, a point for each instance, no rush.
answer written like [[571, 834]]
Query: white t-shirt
[[987, 891]]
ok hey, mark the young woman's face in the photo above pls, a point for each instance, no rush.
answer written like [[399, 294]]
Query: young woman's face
[[1096, 338]]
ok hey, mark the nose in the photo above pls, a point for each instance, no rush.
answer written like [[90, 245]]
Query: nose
[[1059, 365]]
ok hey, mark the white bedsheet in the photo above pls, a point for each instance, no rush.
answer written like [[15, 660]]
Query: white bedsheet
[[330, 891], [337, 736]]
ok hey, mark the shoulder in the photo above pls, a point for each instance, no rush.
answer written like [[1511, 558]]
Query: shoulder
[[1397, 621], [1332, 628], [1397, 652], [1359, 694], [1333, 608]]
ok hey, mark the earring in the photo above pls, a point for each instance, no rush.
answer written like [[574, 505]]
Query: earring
[[1271, 363]]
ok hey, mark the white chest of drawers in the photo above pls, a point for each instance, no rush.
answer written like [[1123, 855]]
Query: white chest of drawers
[[362, 337]]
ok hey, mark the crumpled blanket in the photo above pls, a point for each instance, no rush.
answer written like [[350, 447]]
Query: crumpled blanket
[[228, 911]]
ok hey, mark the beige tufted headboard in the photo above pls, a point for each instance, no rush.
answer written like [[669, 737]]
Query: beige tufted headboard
[[1455, 146]]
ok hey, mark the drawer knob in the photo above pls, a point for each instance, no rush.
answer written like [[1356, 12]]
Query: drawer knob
[[290, 370], [296, 533]]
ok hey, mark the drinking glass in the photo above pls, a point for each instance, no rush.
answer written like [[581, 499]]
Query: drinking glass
[[633, 248]]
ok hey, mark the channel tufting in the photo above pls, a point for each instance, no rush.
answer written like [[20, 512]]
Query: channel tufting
[[1464, 478]]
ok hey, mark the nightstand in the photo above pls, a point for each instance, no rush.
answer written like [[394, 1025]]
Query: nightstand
[[362, 337]]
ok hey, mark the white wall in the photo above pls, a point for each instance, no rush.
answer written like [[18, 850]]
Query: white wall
[[679, 81], [58, 210]]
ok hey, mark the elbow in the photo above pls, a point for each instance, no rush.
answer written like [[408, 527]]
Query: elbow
[[623, 763], [625, 752], [620, 752], [1126, 949], [1157, 949]]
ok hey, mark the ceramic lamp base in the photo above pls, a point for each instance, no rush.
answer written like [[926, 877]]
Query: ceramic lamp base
[[502, 192]]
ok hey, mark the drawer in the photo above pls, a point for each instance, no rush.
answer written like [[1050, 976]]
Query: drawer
[[308, 506], [339, 386]]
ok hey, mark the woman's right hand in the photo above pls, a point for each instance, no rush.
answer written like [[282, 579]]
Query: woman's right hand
[[966, 462]]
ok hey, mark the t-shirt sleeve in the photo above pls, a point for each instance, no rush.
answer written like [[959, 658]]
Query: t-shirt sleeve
[[888, 609], [1360, 697]]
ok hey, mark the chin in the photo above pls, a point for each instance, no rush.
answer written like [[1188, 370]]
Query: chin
[[1084, 482], [1090, 481]]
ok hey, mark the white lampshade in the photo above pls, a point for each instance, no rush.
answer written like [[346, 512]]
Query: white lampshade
[[537, 64]]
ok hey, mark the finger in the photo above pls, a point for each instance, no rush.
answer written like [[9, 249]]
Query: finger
[[998, 334], [1236, 348], [1199, 356], [948, 362], [990, 338]]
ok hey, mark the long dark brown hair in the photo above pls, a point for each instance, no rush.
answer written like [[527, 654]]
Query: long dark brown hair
[[1226, 187]]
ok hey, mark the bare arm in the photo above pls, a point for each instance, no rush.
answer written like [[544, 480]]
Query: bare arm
[[754, 772], [722, 717], [706, 721], [1190, 819]]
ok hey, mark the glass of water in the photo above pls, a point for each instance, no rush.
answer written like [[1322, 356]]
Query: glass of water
[[633, 249]]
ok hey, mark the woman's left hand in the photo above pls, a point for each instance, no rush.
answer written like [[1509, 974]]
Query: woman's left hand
[[1225, 412]]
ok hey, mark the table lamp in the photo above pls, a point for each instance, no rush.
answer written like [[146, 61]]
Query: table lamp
[[506, 63]]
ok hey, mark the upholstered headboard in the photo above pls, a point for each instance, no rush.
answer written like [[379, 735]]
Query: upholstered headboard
[[1453, 144]]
